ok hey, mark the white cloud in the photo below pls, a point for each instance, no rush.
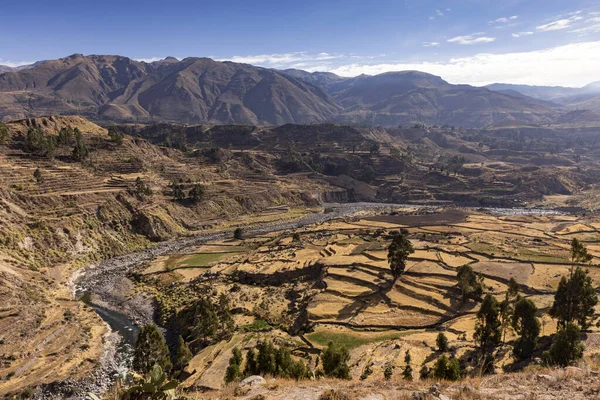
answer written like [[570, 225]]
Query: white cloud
[[284, 60], [593, 27], [504, 20], [571, 65], [14, 64], [475, 38], [150, 60], [519, 34], [559, 24], [430, 44], [439, 13], [431, 18]]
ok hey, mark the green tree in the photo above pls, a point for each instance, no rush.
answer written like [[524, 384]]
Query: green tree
[[448, 369], [151, 350], [206, 320], [116, 136], [142, 189], [266, 359], [183, 355], [335, 358], [196, 193], [408, 371], [388, 372], [80, 151], [507, 306], [233, 370], [65, 136], [527, 326], [579, 253], [442, 342], [238, 234], [39, 177], [470, 283], [251, 363], [398, 253], [3, 133], [488, 326], [575, 299], [567, 347], [367, 174]]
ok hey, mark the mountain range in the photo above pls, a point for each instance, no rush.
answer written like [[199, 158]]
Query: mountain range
[[201, 90]]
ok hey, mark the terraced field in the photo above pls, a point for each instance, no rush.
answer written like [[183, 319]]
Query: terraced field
[[334, 278]]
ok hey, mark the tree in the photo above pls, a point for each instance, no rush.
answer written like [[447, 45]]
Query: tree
[[507, 306], [3, 133], [579, 253], [238, 234], [374, 149], [233, 370], [424, 372], [488, 326], [367, 174], [266, 359], [36, 142], [398, 253], [575, 299], [442, 342], [470, 283], [226, 322], [251, 363], [37, 174], [142, 189], [448, 369], [65, 136], [335, 359], [116, 136], [196, 193], [527, 326], [183, 355], [408, 371], [388, 371], [567, 347], [178, 192], [205, 321], [80, 151], [151, 350]]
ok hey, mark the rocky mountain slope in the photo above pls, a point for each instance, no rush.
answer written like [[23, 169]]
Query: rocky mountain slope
[[201, 90], [196, 90], [584, 98]]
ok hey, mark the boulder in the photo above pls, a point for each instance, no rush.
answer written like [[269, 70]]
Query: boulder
[[252, 381]]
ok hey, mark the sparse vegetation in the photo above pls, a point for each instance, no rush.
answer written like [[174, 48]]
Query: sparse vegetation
[[335, 359]]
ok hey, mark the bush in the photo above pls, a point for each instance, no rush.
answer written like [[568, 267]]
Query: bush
[[567, 347], [388, 371], [335, 358], [116, 136], [3, 133], [196, 193], [37, 174], [448, 369], [442, 342], [238, 234]]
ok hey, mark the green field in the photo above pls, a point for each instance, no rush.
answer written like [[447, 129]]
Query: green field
[[350, 340]]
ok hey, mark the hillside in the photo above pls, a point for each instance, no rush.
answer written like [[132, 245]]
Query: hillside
[[204, 91], [192, 90]]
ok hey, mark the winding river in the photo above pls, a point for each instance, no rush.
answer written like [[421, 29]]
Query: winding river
[[103, 286]]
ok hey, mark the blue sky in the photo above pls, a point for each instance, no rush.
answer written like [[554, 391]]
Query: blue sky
[[464, 41]]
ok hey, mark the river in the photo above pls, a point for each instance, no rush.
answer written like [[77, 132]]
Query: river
[[102, 284]]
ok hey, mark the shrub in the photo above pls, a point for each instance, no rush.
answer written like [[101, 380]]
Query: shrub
[[442, 342], [448, 369], [335, 358], [567, 347], [238, 234], [37, 174]]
